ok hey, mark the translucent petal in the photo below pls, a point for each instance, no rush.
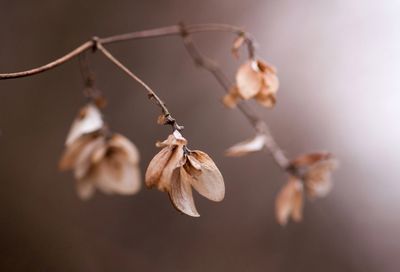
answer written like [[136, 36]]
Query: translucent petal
[[252, 145], [121, 142], [116, 175], [289, 202], [88, 120], [209, 183], [249, 80], [157, 165], [181, 192], [71, 152]]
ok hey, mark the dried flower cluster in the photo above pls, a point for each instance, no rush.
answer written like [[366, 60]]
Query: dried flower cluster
[[99, 159], [254, 80], [109, 162], [176, 169], [313, 178]]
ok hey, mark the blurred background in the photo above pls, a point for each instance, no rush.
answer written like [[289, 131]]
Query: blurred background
[[339, 64]]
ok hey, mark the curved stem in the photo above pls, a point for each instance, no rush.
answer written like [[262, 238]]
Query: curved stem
[[258, 124], [150, 92], [156, 32], [53, 64]]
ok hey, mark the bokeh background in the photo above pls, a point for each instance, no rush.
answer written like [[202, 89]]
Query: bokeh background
[[339, 64]]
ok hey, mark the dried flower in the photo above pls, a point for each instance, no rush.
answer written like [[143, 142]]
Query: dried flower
[[316, 169], [99, 160], [289, 202], [254, 79], [176, 169], [254, 144], [88, 120]]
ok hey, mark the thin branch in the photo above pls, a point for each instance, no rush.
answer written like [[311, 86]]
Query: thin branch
[[259, 125], [199, 59], [156, 32], [152, 95], [51, 65]]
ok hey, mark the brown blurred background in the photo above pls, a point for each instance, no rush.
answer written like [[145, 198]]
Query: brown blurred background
[[339, 65]]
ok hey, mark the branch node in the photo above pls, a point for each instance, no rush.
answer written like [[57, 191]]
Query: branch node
[[95, 40]]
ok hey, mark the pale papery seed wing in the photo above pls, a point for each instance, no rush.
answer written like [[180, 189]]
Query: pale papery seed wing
[[209, 183], [231, 99], [88, 120], [284, 201], [298, 201], [265, 67], [176, 160], [271, 82], [266, 101], [194, 162], [71, 152], [83, 161], [254, 144], [249, 80], [157, 165], [121, 142], [181, 192], [116, 175], [318, 178]]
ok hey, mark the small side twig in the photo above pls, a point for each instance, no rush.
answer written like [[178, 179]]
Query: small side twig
[[151, 94], [258, 124]]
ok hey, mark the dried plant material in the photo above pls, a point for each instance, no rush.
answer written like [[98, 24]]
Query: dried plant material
[[110, 164], [175, 170], [316, 169], [206, 179], [255, 79], [162, 120], [114, 167], [289, 202], [254, 144], [231, 99], [88, 120], [237, 44]]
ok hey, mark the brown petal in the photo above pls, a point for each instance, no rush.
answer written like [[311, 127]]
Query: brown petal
[[162, 120], [297, 210], [115, 174], [267, 101], [71, 152], [249, 80], [157, 165], [176, 160], [88, 120], [289, 202], [232, 98], [83, 161], [255, 144], [318, 178], [265, 67], [267, 94], [194, 162], [124, 144], [181, 192], [271, 82], [209, 183]]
